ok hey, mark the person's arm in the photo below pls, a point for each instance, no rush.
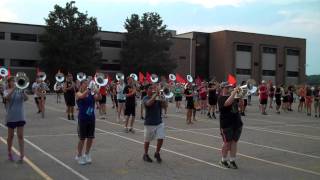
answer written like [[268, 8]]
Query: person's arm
[[97, 95], [230, 100], [8, 93], [81, 95], [131, 93], [25, 96]]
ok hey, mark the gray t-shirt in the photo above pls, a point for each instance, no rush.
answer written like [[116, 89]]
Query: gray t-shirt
[[153, 112], [14, 107]]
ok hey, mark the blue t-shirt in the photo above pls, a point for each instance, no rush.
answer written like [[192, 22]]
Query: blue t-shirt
[[153, 112], [86, 108]]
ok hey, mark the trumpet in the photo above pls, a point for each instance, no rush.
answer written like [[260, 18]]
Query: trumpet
[[247, 89], [21, 81], [119, 76], [3, 72], [81, 76]]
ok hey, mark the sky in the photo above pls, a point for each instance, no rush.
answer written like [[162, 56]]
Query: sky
[[293, 18]]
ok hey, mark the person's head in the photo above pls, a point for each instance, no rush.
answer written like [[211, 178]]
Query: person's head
[[225, 88], [84, 84], [263, 82], [69, 77], [10, 82], [129, 80], [151, 89]]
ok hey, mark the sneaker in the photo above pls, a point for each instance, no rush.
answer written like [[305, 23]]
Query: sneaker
[[233, 165], [209, 116], [81, 160], [142, 118], [69, 118], [126, 130], [10, 157], [147, 158], [264, 113], [72, 117], [214, 116], [157, 156], [315, 116], [224, 164], [20, 161], [131, 130], [87, 158], [77, 158]]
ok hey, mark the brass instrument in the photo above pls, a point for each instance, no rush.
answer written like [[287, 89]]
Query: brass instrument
[[247, 89], [21, 81], [100, 79], [42, 76], [134, 76], [81, 76], [119, 76], [154, 78], [3, 72]]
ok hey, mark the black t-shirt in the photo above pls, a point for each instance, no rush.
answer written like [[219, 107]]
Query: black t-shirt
[[188, 91], [229, 115], [278, 94], [143, 89], [309, 92], [212, 93], [130, 100]]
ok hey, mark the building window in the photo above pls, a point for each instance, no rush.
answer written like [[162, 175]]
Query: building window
[[108, 43], [116, 61], [293, 52], [1, 62], [110, 67], [2, 35], [182, 57], [23, 37], [104, 60], [244, 48], [244, 71], [268, 72], [23, 63], [269, 50], [292, 74]]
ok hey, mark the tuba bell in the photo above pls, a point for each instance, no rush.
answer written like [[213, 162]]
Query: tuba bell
[[119, 76], [59, 77], [134, 76], [3, 72], [154, 78], [81, 76], [100, 79], [172, 77], [21, 81]]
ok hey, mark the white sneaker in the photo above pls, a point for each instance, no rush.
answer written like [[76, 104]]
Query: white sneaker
[[87, 158], [77, 158], [82, 160]]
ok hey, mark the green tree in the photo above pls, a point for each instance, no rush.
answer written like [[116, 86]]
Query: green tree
[[147, 44], [69, 42]]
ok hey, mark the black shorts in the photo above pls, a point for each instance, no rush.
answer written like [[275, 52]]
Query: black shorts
[[86, 129], [178, 98], [36, 99], [278, 102], [245, 102], [14, 125], [130, 110], [302, 99], [121, 101], [263, 101], [70, 99], [103, 99], [190, 105], [231, 134], [213, 101]]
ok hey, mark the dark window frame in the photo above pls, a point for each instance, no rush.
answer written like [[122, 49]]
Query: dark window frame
[[268, 72], [293, 52], [24, 37], [23, 63], [2, 35], [1, 61], [110, 67], [292, 74], [110, 43], [243, 71], [269, 50], [245, 48]]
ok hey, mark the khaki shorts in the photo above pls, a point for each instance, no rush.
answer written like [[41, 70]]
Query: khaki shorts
[[154, 132]]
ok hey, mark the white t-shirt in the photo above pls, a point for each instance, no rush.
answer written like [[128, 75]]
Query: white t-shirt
[[35, 87]]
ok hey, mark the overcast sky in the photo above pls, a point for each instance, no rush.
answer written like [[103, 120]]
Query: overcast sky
[[294, 18]]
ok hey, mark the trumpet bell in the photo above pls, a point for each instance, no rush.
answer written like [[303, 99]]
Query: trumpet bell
[[172, 77], [134, 76], [189, 78], [3, 72], [22, 81], [59, 77], [119, 76], [81, 76], [154, 78]]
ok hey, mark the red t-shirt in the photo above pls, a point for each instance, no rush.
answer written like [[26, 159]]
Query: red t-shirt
[[203, 92], [102, 91], [263, 92]]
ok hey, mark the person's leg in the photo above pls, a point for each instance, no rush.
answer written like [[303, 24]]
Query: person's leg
[[132, 122], [141, 111], [189, 114], [146, 147], [89, 145], [224, 151], [126, 122], [233, 150], [20, 141], [194, 111], [159, 145], [80, 147], [9, 142]]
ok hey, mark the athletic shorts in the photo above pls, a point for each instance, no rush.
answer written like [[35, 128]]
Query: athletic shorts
[[278, 102], [121, 101], [70, 100], [302, 99], [213, 101], [190, 105], [178, 98], [245, 102], [86, 129], [14, 125], [308, 100], [36, 99], [154, 132], [231, 134], [130, 110], [103, 99], [263, 101]]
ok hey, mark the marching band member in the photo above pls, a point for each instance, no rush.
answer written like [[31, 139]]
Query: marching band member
[[143, 93], [121, 98], [242, 102], [271, 94], [316, 96], [203, 97], [58, 89], [130, 104], [113, 95], [69, 89], [35, 86], [178, 90], [308, 100], [212, 99], [86, 120], [302, 98], [263, 97], [41, 91], [278, 96], [15, 117], [153, 125], [102, 102], [188, 92], [285, 100], [164, 85], [230, 125]]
